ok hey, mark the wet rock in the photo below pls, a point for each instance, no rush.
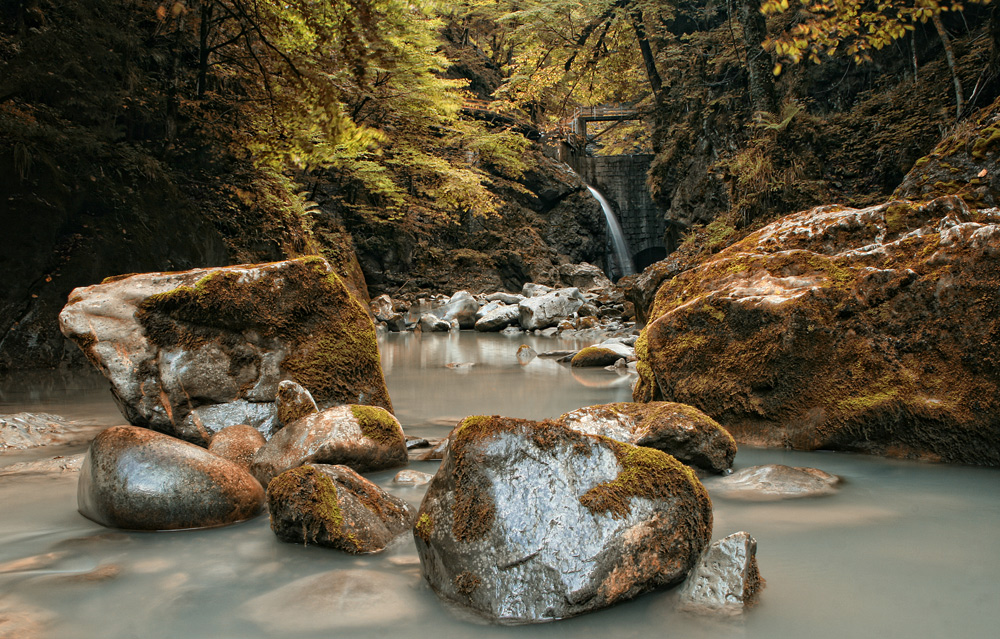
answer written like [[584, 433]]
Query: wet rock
[[511, 330], [54, 466], [546, 310], [775, 481], [293, 402], [683, 431], [396, 323], [192, 352], [525, 354], [237, 443], [139, 479], [557, 354], [21, 431], [335, 507], [437, 451], [531, 289], [412, 478], [462, 307], [366, 438], [845, 329], [531, 521], [595, 356], [587, 310], [487, 308], [725, 580], [498, 319], [416, 442], [505, 298], [382, 308], [430, 323], [583, 276]]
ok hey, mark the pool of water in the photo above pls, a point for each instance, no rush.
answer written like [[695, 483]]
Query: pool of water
[[904, 549]]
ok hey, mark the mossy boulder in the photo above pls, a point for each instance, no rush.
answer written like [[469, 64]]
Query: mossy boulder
[[191, 352], [870, 330], [601, 355], [293, 402], [333, 506], [527, 522], [680, 430], [366, 438], [138, 479]]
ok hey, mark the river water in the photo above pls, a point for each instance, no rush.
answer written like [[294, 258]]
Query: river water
[[905, 549]]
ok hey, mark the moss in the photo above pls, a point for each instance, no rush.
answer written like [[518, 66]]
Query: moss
[[466, 583], [645, 473], [424, 527], [378, 424], [988, 141], [594, 356], [312, 495], [868, 401], [117, 278]]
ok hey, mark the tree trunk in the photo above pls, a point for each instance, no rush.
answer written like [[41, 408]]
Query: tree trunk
[[204, 32], [949, 55], [759, 65], [655, 82]]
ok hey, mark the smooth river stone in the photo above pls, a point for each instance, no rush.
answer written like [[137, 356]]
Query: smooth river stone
[[139, 479], [775, 481]]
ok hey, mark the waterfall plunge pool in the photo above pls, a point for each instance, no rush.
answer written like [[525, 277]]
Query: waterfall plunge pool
[[905, 549]]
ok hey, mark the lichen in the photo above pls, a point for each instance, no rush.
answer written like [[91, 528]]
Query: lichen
[[379, 425]]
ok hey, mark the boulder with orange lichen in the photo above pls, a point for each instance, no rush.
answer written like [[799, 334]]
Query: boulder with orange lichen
[[527, 522], [871, 330]]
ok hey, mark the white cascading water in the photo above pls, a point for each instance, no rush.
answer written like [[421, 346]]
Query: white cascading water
[[622, 256]]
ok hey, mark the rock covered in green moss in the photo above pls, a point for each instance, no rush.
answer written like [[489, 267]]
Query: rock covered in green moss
[[333, 506], [139, 479], [871, 330], [604, 354], [527, 521], [189, 353], [677, 429], [293, 402], [366, 438], [237, 443], [726, 579]]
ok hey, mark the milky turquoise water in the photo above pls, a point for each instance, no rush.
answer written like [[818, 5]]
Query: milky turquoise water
[[903, 550]]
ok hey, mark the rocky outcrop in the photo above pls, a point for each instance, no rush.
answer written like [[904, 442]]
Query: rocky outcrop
[[583, 276], [366, 438], [139, 479], [531, 521], [725, 580], [853, 329], [543, 311], [190, 353], [683, 431], [333, 506], [775, 481]]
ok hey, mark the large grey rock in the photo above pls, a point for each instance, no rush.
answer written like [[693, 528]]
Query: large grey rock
[[546, 310], [192, 352], [498, 319], [775, 481], [583, 276], [366, 438], [462, 307], [680, 430], [531, 289], [139, 479], [430, 323], [726, 579], [333, 506], [527, 522]]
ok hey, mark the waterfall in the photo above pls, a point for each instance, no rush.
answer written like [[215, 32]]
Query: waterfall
[[622, 256]]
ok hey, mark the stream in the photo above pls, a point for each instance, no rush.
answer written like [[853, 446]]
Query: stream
[[905, 549]]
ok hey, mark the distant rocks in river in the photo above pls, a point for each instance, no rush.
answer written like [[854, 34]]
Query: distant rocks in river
[[680, 430], [726, 579], [139, 479], [20, 431], [333, 506], [775, 481], [366, 438], [192, 352], [630, 519]]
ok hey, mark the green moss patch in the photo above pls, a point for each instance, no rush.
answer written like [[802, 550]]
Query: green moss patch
[[310, 494], [424, 527], [379, 425]]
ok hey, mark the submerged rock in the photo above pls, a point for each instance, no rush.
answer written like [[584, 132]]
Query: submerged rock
[[192, 352], [237, 443], [775, 481], [139, 479], [680, 430], [366, 438], [531, 521], [333, 506], [525, 354], [543, 311], [726, 579], [21, 431], [869, 329], [412, 478], [293, 402]]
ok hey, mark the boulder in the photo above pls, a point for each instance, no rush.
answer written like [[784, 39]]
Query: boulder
[[775, 481], [532, 521], [546, 310], [596, 356], [505, 298], [870, 330], [683, 431], [192, 352], [293, 402], [237, 443], [726, 580], [531, 289], [498, 319], [430, 323], [382, 308], [139, 479], [396, 323], [488, 308], [462, 307], [335, 507], [366, 438], [583, 276]]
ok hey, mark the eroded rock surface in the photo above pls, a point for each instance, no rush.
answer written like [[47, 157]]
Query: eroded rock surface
[[531, 521], [366, 438], [726, 579], [192, 352], [677, 429], [333, 506], [139, 479], [855, 329]]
